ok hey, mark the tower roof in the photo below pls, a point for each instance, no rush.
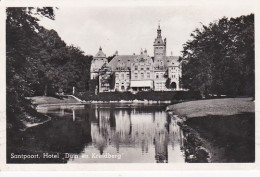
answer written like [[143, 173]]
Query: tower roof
[[100, 54], [159, 28], [158, 40]]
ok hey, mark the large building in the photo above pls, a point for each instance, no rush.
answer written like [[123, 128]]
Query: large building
[[138, 72]]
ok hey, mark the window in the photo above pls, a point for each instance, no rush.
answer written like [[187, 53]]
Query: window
[[157, 76], [122, 75], [142, 68], [136, 67], [136, 76], [142, 75], [148, 68], [148, 75]]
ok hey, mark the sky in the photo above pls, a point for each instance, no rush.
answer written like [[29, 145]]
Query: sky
[[128, 29]]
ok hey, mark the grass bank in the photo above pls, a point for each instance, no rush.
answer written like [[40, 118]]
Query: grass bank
[[38, 100], [218, 130], [224, 107]]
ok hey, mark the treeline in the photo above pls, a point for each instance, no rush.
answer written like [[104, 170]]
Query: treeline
[[173, 96], [38, 62], [220, 58]]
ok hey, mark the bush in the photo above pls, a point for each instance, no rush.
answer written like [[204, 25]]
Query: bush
[[151, 95]]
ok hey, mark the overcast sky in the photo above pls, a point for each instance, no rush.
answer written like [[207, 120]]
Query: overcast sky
[[128, 29]]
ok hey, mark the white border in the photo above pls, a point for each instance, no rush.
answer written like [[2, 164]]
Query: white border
[[124, 166]]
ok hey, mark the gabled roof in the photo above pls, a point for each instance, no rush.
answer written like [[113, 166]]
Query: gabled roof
[[125, 61], [122, 61], [172, 61]]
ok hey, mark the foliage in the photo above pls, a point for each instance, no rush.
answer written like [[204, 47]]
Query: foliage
[[109, 58], [220, 57], [173, 96], [111, 81], [38, 62], [168, 83], [93, 83]]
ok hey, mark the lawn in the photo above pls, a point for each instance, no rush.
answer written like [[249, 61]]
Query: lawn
[[225, 107], [37, 100], [225, 127]]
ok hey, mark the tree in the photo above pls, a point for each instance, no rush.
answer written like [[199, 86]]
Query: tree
[[110, 58], [38, 61], [21, 67], [220, 57], [168, 83]]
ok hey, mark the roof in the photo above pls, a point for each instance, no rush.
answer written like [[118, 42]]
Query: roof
[[172, 61], [158, 41], [123, 61], [100, 54]]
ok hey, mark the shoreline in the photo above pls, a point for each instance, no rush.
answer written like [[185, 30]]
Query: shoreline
[[44, 105], [202, 130], [30, 125]]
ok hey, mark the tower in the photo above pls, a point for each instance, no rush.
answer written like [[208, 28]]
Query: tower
[[98, 61], [159, 50]]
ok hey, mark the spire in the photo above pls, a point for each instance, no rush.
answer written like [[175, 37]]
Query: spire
[[141, 51], [100, 48], [159, 30]]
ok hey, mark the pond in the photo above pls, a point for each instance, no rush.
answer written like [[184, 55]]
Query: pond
[[103, 133]]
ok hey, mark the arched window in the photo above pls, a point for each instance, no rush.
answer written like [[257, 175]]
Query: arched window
[[173, 85]]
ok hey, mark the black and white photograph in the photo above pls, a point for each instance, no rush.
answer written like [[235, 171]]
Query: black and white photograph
[[120, 84]]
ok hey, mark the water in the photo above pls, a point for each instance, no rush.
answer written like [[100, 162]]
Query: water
[[103, 133]]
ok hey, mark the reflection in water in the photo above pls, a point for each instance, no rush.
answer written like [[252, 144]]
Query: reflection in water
[[140, 129], [138, 133]]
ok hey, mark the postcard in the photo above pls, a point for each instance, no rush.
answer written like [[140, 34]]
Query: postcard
[[133, 85]]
